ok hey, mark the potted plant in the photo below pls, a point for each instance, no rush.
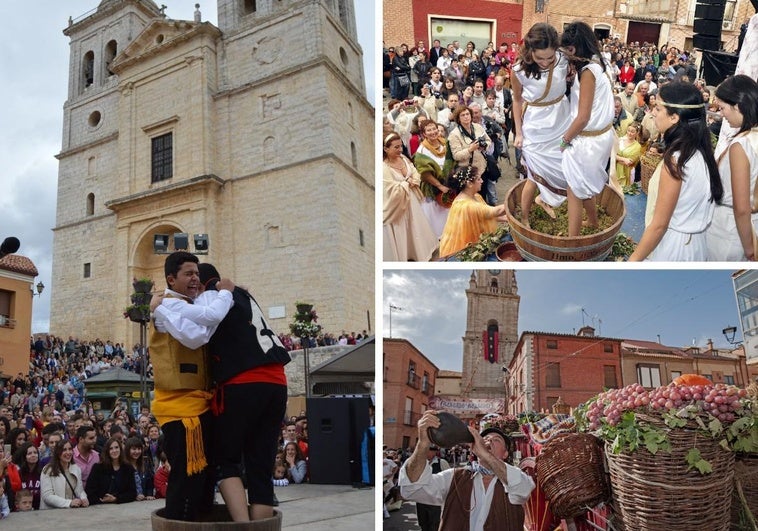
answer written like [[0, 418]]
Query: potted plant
[[138, 313], [142, 285], [303, 307], [305, 321]]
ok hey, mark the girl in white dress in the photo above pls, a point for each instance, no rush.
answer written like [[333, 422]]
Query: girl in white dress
[[731, 234], [540, 115], [686, 185], [588, 141]]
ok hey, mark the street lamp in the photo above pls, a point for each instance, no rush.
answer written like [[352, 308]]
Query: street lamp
[[40, 286], [729, 333], [393, 307]]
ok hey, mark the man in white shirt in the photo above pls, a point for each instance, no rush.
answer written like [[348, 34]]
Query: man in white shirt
[[481, 487], [651, 85], [443, 117], [182, 397], [429, 515]]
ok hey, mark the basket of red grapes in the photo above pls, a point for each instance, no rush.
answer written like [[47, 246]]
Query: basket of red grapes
[[671, 450]]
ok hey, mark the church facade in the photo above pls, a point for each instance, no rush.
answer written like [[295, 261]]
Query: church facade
[[256, 132]]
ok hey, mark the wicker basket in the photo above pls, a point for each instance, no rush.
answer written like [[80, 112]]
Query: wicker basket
[[745, 479], [648, 164], [655, 492], [570, 471]]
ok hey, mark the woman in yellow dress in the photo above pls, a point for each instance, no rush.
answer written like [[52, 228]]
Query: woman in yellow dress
[[628, 154], [470, 216]]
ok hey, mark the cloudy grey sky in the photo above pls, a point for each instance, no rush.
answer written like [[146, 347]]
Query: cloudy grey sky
[[681, 306], [34, 69]]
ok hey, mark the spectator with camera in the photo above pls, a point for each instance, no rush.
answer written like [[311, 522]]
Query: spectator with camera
[[468, 141], [431, 101]]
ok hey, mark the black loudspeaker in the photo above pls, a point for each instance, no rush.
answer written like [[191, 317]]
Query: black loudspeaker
[[181, 241], [707, 27], [335, 431], [709, 15], [708, 12]]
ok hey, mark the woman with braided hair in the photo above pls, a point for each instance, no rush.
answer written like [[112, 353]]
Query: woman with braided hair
[[686, 185], [587, 142], [469, 216]]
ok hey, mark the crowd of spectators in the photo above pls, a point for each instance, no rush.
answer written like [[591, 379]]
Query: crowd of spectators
[[327, 339], [54, 442], [450, 72]]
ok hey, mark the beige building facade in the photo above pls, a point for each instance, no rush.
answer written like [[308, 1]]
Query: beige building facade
[[256, 133]]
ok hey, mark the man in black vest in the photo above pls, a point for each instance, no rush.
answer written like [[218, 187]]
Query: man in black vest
[[247, 369], [429, 515], [247, 372]]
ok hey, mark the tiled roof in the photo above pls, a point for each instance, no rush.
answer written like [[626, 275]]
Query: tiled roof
[[560, 334], [651, 347], [449, 374], [18, 264]]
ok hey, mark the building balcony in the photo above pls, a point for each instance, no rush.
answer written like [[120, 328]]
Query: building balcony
[[414, 380]]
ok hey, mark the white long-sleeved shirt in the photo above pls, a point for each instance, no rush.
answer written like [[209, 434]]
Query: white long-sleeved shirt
[[432, 489], [192, 324]]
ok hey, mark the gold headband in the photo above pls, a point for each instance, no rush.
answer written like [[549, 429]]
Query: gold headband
[[387, 138], [682, 105]]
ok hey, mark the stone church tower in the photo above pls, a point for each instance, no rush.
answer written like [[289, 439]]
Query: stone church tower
[[257, 133], [491, 332]]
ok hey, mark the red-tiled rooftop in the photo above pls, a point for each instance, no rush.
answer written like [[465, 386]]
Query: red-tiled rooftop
[[651, 347], [18, 264]]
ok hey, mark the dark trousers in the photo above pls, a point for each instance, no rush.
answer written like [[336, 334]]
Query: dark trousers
[[428, 516], [251, 421], [187, 496]]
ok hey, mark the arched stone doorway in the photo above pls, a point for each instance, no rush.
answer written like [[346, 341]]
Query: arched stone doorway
[[145, 262]]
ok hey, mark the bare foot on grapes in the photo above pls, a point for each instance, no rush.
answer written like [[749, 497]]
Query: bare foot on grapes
[[544, 206], [586, 223]]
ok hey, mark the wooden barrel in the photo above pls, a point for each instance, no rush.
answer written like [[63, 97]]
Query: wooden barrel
[[218, 519], [538, 247]]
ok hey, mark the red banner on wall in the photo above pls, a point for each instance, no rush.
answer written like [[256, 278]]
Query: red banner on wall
[[490, 345]]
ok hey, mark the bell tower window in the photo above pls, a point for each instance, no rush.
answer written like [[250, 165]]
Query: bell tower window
[[111, 49], [88, 69], [249, 7], [90, 204], [343, 13]]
